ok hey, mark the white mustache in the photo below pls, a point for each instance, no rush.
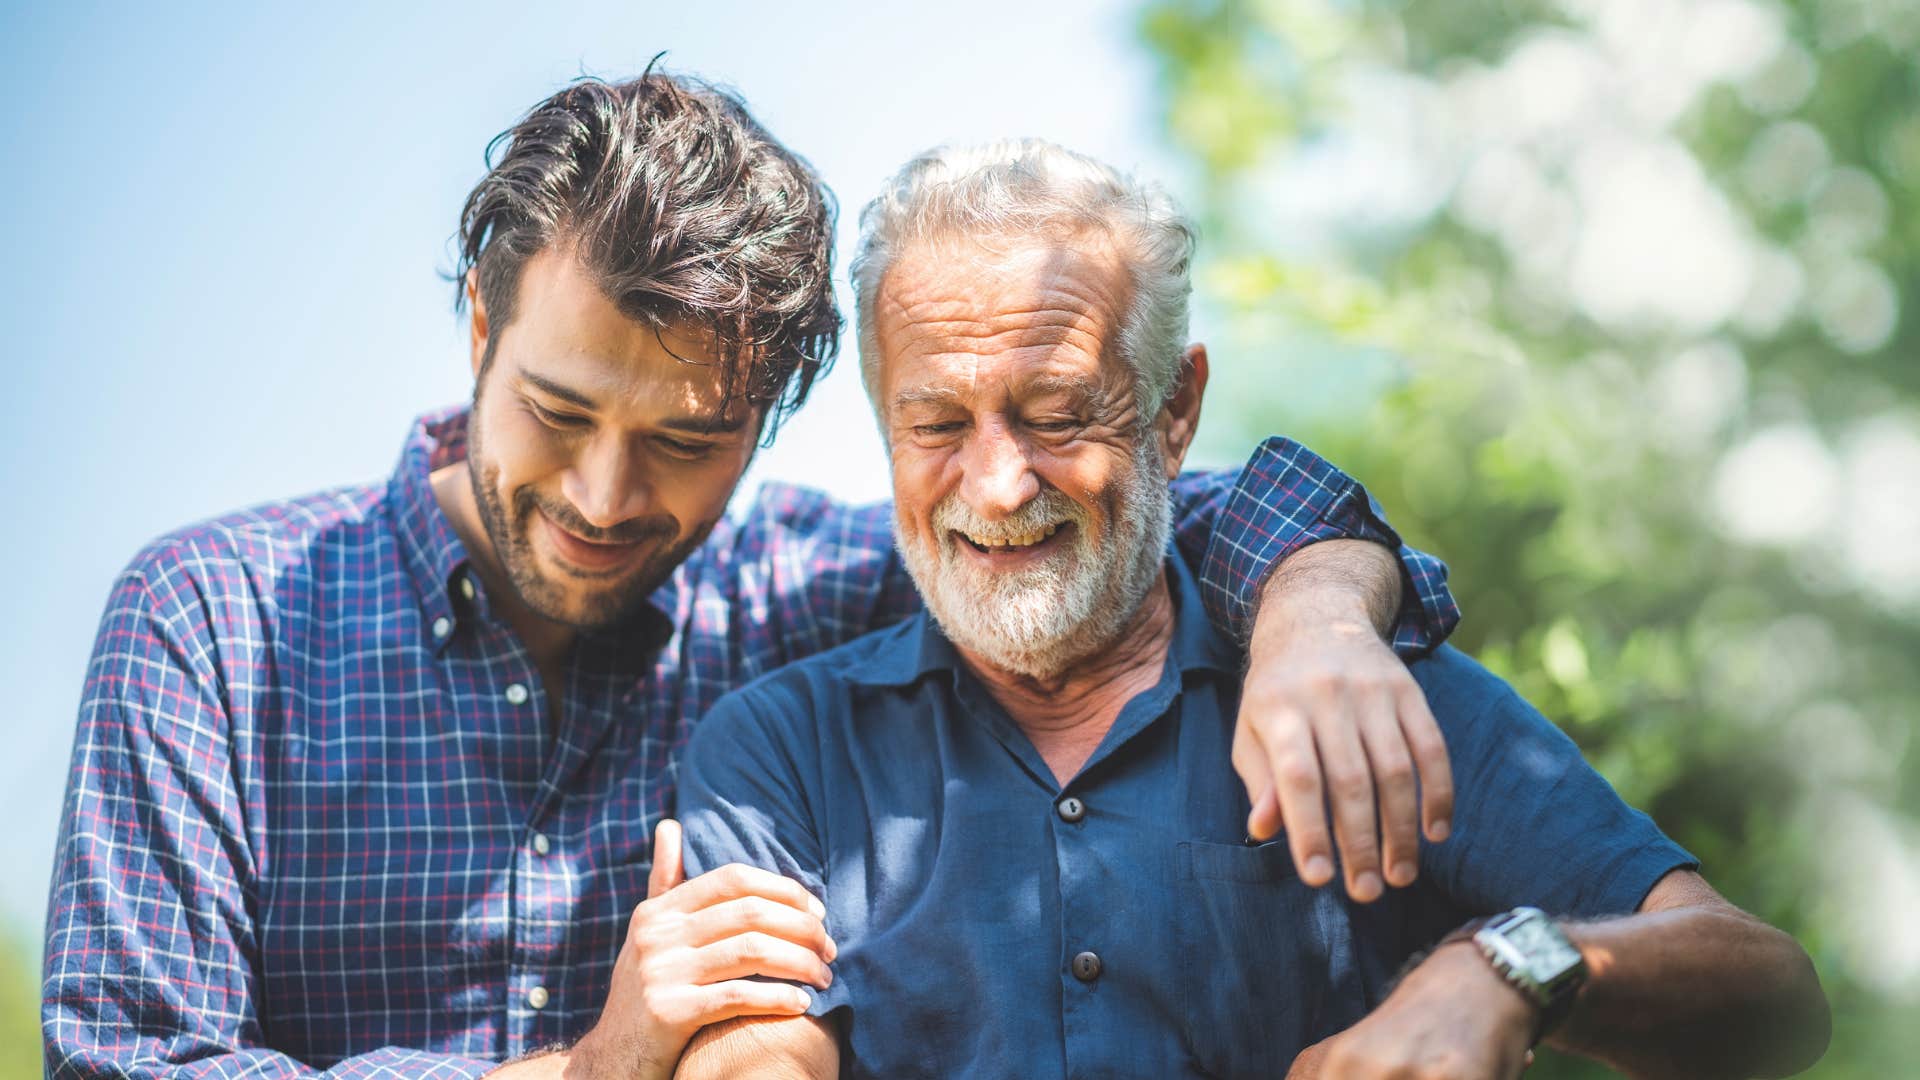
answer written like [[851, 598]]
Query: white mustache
[[1044, 512]]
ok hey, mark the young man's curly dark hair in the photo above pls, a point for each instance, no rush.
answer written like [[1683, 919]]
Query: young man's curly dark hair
[[683, 209]]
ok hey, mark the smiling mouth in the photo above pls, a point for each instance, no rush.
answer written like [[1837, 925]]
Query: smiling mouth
[[1009, 545], [589, 555]]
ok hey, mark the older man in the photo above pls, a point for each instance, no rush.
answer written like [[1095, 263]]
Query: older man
[[1017, 808]]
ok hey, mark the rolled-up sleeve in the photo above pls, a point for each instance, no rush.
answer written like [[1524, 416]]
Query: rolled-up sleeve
[[1286, 498]]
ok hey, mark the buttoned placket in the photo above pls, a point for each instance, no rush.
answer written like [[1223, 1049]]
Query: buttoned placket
[[1085, 897], [542, 890]]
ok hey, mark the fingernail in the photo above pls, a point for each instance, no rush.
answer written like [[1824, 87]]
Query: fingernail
[[1403, 874], [1366, 886], [802, 1000], [833, 950], [814, 905], [1440, 831], [1319, 869]]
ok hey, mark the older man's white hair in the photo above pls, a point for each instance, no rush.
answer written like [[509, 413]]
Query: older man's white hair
[[1020, 188]]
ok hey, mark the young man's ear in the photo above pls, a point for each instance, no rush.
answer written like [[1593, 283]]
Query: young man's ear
[[1180, 416], [477, 336]]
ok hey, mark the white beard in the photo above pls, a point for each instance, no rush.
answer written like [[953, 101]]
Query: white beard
[[1040, 620]]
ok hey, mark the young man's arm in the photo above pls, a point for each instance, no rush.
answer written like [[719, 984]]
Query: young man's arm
[[149, 948]]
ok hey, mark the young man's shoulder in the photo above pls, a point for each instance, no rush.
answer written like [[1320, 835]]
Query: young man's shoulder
[[248, 549]]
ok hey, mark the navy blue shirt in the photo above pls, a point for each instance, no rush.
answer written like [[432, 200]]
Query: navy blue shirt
[[962, 881]]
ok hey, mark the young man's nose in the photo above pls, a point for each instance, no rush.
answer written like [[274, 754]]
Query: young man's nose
[[608, 484]]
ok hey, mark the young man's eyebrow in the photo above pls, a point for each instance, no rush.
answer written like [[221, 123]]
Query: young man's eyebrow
[[729, 423], [564, 393]]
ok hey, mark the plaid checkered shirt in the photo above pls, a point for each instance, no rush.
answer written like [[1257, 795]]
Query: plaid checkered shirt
[[319, 818]]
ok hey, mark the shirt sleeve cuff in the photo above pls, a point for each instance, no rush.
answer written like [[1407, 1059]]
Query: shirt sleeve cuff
[[1635, 877], [1288, 497]]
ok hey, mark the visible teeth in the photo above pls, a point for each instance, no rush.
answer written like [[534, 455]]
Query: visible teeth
[[1022, 540]]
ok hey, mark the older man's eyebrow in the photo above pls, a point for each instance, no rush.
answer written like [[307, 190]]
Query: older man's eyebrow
[[926, 395], [1087, 390]]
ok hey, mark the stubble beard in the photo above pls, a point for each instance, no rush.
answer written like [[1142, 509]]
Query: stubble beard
[[1039, 621], [614, 604]]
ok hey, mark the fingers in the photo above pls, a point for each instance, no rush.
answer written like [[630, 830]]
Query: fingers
[[1250, 762], [1265, 818], [758, 914], [1393, 781], [736, 880], [668, 869], [726, 1000], [1429, 750], [1295, 767], [754, 953], [1350, 792]]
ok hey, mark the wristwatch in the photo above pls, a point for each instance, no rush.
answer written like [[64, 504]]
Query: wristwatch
[[1534, 956]]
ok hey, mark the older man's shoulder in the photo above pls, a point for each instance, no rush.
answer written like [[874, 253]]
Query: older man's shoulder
[[1470, 701], [822, 686]]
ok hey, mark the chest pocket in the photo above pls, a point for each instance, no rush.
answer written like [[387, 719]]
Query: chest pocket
[[1269, 963]]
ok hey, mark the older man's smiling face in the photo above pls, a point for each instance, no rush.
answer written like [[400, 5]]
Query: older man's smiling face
[[1030, 500]]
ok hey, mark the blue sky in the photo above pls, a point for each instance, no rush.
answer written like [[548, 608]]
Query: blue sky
[[226, 227]]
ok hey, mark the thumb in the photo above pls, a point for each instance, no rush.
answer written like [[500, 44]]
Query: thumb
[[668, 870]]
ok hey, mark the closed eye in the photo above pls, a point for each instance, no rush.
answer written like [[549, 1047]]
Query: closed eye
[[559, 421], [680, 448]]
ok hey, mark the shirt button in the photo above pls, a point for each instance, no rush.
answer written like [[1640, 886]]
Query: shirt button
[[1086, 967], [1071, 809], [466, 587], [442, 626], [516, 694], [537, 997], [541, 845]]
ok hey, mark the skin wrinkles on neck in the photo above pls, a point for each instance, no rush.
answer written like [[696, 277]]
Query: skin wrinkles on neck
[[1067, 715]]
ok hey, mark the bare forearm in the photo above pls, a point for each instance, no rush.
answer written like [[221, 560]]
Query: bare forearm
[[762, 1048], [1333, 581], [1696, 992]]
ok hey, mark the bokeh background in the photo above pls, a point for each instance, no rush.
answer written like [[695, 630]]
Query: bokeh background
[[1608, 302]]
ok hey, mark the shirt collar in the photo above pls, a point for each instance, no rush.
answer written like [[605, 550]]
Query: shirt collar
[[919, 648], [450, 591]]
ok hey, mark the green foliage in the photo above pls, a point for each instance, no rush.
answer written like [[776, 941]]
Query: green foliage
[[1623, 342], [19, 1012]]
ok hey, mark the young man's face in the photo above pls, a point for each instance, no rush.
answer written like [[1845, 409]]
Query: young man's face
[[594, 451]]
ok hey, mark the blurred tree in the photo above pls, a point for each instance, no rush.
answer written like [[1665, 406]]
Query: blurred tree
[[1603, 300], [19, 1010]]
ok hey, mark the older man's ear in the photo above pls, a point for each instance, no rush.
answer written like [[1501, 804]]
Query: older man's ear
[[1180, 416]]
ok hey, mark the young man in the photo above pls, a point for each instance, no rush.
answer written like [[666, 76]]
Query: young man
[[1017, 807], [366, 781]]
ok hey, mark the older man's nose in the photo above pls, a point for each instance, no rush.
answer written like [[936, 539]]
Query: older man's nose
[[999, 478], [607, 485]]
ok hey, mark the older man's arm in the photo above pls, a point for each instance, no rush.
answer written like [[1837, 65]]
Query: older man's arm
[[763, 1048], [1691, 986]]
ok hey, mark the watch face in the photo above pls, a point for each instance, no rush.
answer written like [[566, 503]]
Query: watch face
[[1547, 951]]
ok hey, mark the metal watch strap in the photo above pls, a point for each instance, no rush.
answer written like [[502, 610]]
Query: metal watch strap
[[1552, 1008]]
